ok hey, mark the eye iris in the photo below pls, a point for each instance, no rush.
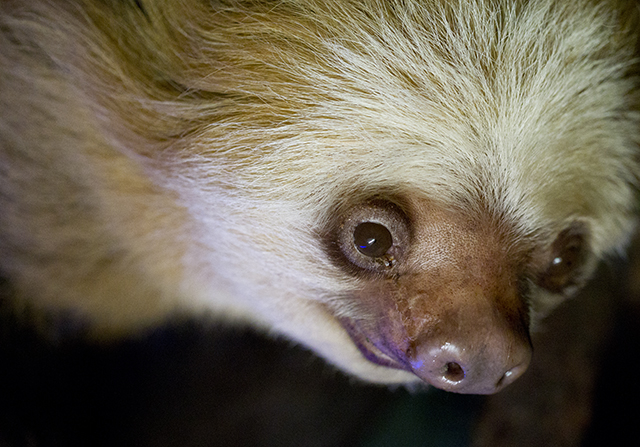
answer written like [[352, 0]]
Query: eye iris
[[564, 263], [372, 239]]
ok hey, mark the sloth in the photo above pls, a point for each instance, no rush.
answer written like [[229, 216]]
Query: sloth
[[404, 187]]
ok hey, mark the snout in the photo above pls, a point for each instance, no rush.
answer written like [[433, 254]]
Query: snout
[[458, 368]]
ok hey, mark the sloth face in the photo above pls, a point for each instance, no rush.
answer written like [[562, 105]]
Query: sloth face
[[445, 293], [408, 187]]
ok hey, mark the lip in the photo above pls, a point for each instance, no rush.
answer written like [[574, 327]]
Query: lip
[[375, 349]]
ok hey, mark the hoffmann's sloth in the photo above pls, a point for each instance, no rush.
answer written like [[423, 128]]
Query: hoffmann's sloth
[[403, 186]]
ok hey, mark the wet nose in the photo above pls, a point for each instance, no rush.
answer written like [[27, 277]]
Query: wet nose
[[472, 369]]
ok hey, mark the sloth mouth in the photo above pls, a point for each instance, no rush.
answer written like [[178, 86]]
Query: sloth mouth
[[375, 348]]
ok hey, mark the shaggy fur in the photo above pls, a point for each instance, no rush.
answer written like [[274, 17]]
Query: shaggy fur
[[170, 156]]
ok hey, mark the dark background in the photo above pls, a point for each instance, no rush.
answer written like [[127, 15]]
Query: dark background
[[193, 384]]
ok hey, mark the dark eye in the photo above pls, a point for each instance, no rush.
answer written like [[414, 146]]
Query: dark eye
[[373, 236], [565, 262], [372, 239]]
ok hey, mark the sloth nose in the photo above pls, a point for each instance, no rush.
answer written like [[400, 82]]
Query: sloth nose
[[470, 370]]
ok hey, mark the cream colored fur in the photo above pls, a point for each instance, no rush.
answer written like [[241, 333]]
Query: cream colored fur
[[188, 155]]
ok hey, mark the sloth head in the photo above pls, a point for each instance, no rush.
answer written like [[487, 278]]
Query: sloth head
[[405, 187], [428, 179]]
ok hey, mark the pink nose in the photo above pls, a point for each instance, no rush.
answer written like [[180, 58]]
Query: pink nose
[[470, 370]]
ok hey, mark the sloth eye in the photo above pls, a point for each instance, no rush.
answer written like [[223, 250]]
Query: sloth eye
[[372, 239], [373, 236], [566, 261]]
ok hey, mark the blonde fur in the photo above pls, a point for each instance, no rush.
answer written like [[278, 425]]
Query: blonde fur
[[161, 157]]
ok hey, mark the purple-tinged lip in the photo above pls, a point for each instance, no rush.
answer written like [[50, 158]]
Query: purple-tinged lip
[[376, 352]]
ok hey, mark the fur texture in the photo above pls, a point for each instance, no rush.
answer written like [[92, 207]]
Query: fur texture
[[162, 157]]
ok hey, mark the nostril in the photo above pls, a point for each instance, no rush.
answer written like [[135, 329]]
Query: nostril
[[454, 372], [504, 380], [511, 375], [441, 364]]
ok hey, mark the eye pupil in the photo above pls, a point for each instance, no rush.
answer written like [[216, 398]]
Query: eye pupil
[[372, 239]]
